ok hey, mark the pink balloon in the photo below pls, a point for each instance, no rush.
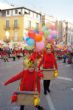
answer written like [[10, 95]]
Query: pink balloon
[[41, 33], [54, 32], [49, 37], [40, 46]]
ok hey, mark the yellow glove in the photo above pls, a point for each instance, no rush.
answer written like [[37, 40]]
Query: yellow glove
[[36, 101], [56, 73]]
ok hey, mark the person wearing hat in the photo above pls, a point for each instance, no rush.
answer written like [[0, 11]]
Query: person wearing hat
[[49, 62], [28, 79]]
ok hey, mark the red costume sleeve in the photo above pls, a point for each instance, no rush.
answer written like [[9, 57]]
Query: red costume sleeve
[[40, 74], [14, 78], [33, 56]]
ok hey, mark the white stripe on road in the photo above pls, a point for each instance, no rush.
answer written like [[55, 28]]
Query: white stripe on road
[[48, 98], [50, 103], [72, 89], [65, 78]]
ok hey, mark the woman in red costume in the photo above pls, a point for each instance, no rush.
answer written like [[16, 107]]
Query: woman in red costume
[[49, 62]]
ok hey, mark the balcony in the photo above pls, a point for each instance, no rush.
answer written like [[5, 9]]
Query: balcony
[[15, 27], [6, 27]]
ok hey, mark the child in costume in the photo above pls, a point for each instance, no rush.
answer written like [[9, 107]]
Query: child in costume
[[28, 77]]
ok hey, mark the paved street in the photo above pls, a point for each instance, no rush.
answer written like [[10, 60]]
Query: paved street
[[60, 98]]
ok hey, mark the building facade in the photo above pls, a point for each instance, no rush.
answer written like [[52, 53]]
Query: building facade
[[15, 22], [68, 32]]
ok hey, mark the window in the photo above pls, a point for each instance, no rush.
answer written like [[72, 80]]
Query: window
[[15, 23], [3, 13], [27, 24], [36, 15], [7, 12], [7, 23], [32, 14], [20, 13], [16, 11], [37, 24]]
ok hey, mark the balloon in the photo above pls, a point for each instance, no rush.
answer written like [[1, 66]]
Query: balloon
[[40, 46], [49, 37], [31, 34], [54, 32], [41, 33], [36, 30], [44, 28], [46, 33], [38, 37], [30, 42], [27, 38], [54, 36]]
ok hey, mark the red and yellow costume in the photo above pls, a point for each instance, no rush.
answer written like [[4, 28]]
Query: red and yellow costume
[[48, 61], [28, 80]]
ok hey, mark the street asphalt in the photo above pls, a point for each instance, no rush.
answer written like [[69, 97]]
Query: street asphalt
[[60, 97]]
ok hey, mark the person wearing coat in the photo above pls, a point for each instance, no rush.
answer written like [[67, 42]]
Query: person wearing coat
[[28, 81], [49, 62]]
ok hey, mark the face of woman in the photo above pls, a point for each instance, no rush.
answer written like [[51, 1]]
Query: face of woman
[[48, 50], [31, 69]]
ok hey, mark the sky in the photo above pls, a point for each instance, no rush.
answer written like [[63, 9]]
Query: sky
[[61, 9]]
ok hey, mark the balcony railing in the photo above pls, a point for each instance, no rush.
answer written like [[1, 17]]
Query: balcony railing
[[15, 27], [6, 27]]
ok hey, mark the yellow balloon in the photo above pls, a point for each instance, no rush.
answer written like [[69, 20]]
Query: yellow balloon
[[36, 101]]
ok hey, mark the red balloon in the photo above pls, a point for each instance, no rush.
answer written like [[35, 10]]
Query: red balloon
[[31, 34]]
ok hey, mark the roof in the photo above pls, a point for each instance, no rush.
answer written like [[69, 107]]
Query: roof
[[4, 6], [22, 8]]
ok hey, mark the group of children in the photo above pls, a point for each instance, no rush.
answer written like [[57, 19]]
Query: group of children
[[31, 75]]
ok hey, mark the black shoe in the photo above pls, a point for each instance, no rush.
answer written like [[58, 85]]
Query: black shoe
[[21, 107], [48, 90], [45, 93], [39, 107]]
